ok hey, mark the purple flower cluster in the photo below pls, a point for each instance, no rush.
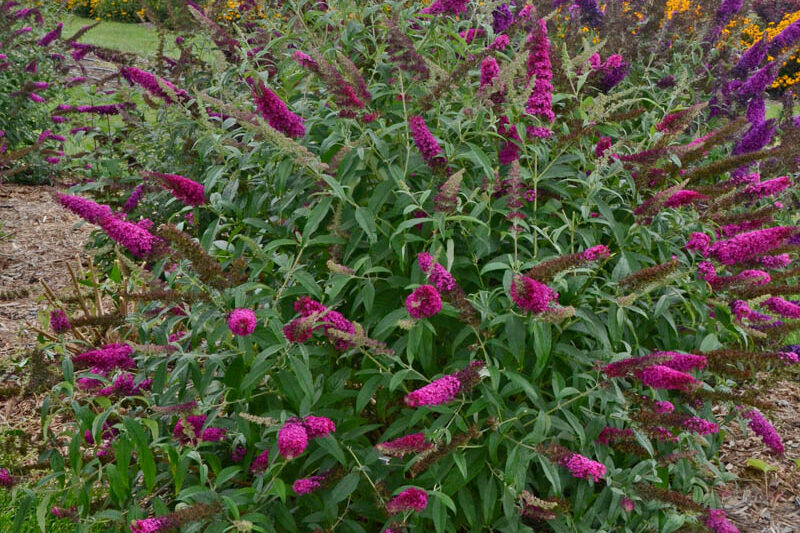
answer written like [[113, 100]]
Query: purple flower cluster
[[768, 188], [596, 253], [684, 197], [260, 463], [408, 444], [502, 18], [135, 237], [751, 58], [426, 144], [307, 485], [591, 13], [424, 302], [700, 426], [196, 422], [540, 102], [440, 391], [51, 36], [411, 499], [160, 524], [664, 377], [188, 191], [107, 358], [788, 37], [717, 521], [314, 315], [446, 7], [133, 199], [683, 362], [489, 71], [88, 210], [437, 274], [783, 307], [750, 245], [583, 468], [275, 111], [603, 144], [6, 479], [153, 84], [242, 322], [765, 430], [609, 73], [293, 437], [124, 386], [59, 322], [531, 295]]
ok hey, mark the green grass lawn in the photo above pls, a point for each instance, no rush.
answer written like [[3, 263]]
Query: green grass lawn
[[139, 39]]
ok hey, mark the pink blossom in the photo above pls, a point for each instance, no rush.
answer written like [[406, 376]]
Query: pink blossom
[[86, 209], [318, 426], [124, 386], [540, 102], [242, 322], [783, 307], [139, 242], [594, 253], [153, 84], [438, 392], [530, 295], [188, 191], [260, 463], [408, 444], [59, 321], [768, 188], [603, 144], [275, 111], [196, 422], [426, 144], [765, 430], [775, 261], [663, 377], [424, 302], [411, 499], [700, 426], [683, 362], [718, 522], [500, 42], [307, 485], [583, 468], [161, 524], [746, 246], [663, 407], [6, 479], [292, 439], [627, 505], [107, 358], [684, 197], [700, 242]]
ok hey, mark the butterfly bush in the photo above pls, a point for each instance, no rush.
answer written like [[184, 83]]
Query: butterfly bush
[[473, 313]]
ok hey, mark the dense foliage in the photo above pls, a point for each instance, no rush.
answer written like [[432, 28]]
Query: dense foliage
[[456, 267]]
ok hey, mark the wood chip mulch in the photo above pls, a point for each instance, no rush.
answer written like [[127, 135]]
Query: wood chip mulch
[[771, 503], [36, 237]]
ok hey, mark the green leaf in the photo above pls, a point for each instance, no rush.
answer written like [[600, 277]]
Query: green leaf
[[763, 466], [146, 461], [366, 219], [22, 513], [303, 375], [366, 392], [344, 488], [317, 215]]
